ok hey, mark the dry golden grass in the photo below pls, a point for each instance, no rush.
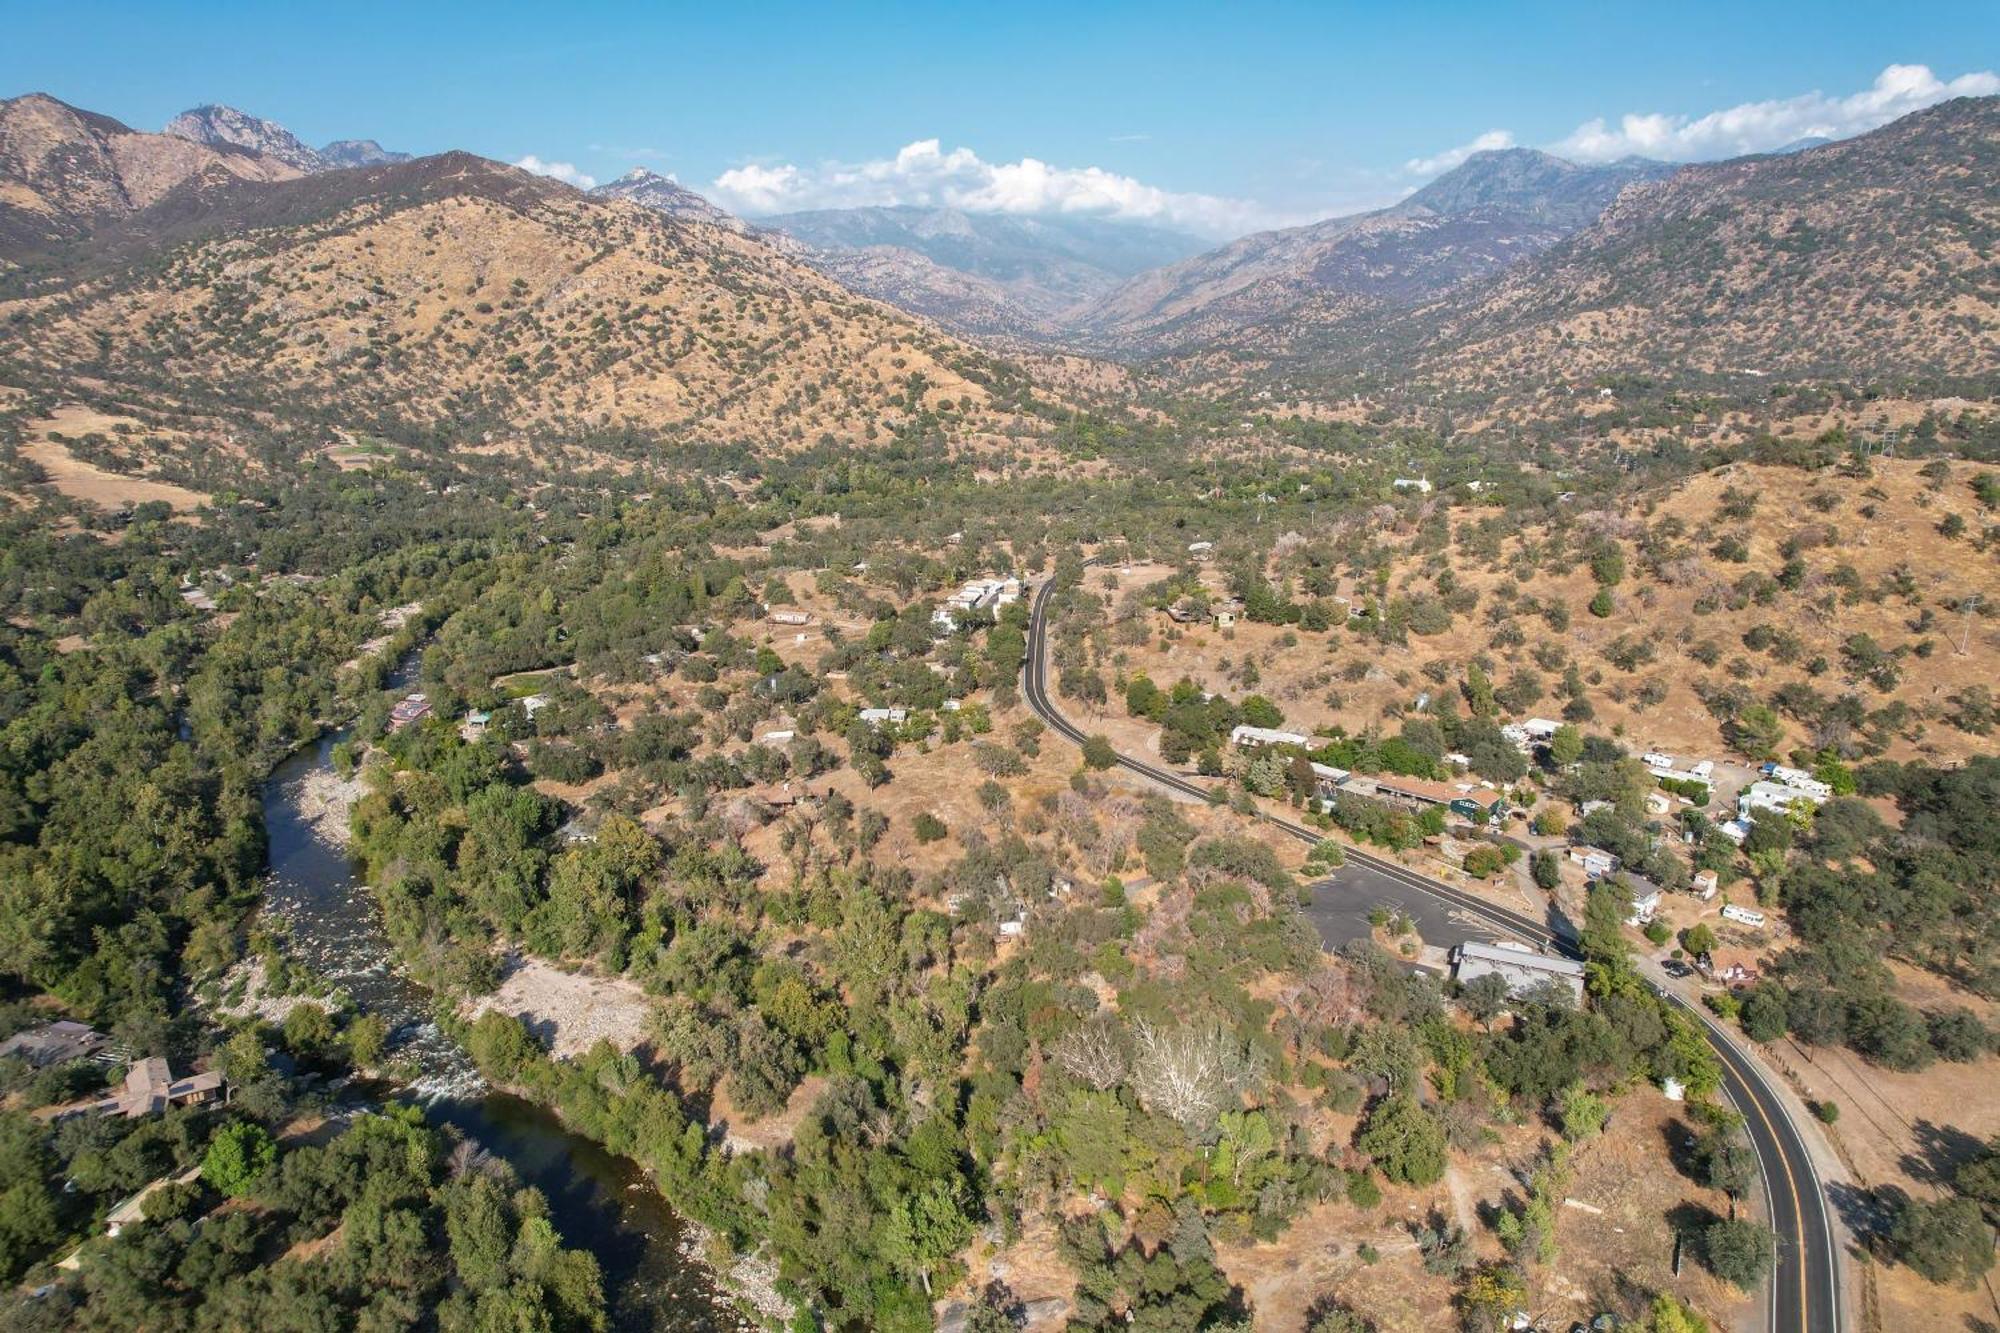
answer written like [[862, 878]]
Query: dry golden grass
[[1878, 527], [107, 490], [1612, 1249], [561, 312]]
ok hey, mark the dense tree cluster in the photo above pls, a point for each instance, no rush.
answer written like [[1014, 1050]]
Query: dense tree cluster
[[405, 1231]]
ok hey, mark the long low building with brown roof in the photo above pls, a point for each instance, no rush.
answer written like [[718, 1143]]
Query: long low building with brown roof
[[1462, 797]]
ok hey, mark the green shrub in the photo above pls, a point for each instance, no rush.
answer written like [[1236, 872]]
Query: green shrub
[[238, 1156]]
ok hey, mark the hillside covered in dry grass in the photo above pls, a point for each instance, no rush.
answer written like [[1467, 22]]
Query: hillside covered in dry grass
[[1870, 259], [459, 296], [64, 171], [1753, 609]]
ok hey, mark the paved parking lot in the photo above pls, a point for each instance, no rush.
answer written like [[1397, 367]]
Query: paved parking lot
[[1341, 904]]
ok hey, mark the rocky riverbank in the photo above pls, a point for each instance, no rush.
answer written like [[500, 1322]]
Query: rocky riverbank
[[568, 1011], [324, 800]]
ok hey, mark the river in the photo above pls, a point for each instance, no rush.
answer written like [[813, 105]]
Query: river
[[600, 1202]]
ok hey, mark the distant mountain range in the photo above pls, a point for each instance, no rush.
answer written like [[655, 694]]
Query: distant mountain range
[[358, 153], [1516, 273], [225, 126], [996, 273], [1490, 212], [1130, 290]]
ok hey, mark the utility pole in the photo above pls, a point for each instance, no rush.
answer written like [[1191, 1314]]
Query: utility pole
[[1965, 639]]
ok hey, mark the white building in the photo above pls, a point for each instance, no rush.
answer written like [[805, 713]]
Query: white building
[[1421, 485], [1774, 797], [1742, 915], [1329, 779], [1523, 970], [1798, 779], [1644, 905], [976, 595], [1596, 862], [1251, 738], [879, 716]]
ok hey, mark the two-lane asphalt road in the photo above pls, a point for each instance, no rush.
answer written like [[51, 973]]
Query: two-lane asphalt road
[[1805, 1286]]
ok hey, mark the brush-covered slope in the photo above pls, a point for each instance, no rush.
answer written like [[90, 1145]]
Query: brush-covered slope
[[1872, 256], [472, 298], [1491, 211], [65, 172]]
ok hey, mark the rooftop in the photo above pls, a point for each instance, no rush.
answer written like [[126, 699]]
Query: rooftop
[[1264, 736], [1494, 953]]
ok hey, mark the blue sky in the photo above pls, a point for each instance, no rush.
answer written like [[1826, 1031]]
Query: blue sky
[[1214, 118]]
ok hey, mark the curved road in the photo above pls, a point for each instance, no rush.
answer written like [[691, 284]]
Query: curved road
[[1805, 1285]]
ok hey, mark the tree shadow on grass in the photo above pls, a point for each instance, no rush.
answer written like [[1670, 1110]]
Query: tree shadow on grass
[[1680, 1140], [1939, 1151], [1866, 1213]]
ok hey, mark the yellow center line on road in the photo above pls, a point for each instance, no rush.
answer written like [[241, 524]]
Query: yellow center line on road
[[1784, 1162]]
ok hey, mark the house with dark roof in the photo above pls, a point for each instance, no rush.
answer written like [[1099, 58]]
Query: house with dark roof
[[55, 1043]]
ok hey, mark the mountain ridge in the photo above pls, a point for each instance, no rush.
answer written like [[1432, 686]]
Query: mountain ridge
[[217, 126], [65, 172], [651, 190], [221, 126], [459, 295], [1482, 216], [1863, 258]]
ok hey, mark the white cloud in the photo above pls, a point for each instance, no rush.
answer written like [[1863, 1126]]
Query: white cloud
[[924, 173], [1758, 127], [1451, 157], [562, 171], [761, 189]]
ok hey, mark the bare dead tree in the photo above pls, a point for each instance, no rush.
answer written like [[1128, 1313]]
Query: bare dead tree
[[1191, 1072], [1093, 1054]]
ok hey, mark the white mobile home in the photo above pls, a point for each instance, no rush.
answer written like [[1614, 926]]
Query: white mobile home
[[1250, 738]]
